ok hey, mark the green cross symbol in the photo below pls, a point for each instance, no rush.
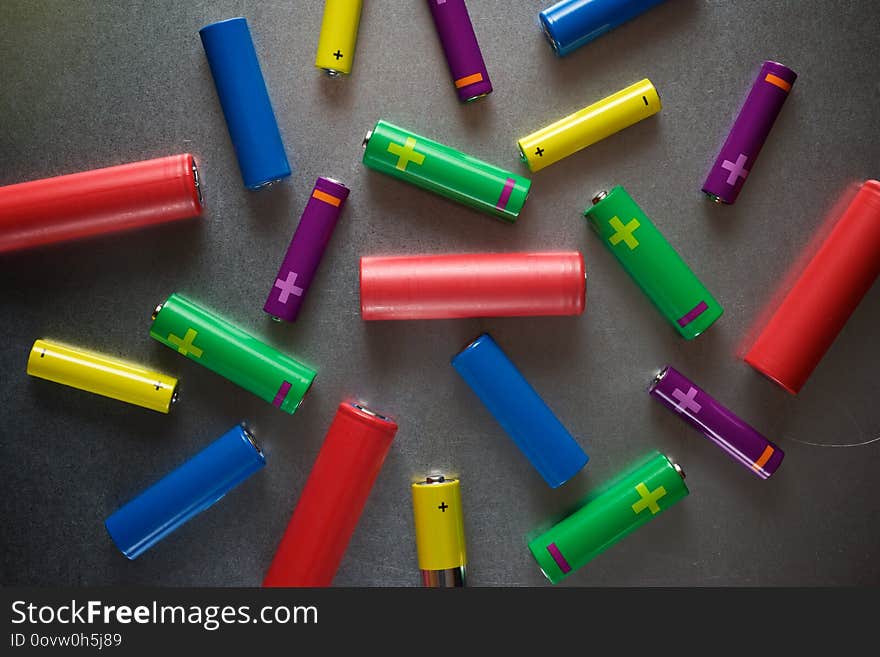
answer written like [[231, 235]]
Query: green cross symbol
[[185, 345]]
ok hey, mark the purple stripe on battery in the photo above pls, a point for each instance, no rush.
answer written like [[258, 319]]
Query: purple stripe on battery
[[749, 131], [558, 558], [306, 249], [739, 440], [282, 394], [469, 74], [509, 184], [694, 312]]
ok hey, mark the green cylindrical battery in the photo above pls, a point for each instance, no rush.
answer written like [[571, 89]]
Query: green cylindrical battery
[[652, 262], [225, 349], [445, 171], [626, 504]]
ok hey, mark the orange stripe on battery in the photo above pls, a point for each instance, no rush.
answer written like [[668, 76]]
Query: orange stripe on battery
[[762, 460], [327, 198], [778, 81], [468, 79]]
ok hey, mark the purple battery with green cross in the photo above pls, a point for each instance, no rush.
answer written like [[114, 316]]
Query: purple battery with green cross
[[749, 132], [306, 249], [741, 442]]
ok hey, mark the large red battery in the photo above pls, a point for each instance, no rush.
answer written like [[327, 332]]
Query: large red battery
[[101, 201], [824, 296], [334, 496], [472, 285]]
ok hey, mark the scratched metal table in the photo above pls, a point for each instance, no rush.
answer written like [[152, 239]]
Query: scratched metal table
[[90, 84]]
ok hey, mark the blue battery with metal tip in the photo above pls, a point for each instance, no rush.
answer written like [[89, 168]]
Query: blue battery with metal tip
[[570, 24], [245, 102], [185, 492], [522, 413]]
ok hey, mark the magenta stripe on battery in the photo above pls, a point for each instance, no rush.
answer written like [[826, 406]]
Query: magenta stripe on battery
[[509, 184], [695, 312], [558, 558], [282, 394]]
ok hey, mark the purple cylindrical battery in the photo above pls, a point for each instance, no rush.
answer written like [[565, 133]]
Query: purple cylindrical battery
[[749, 131], [306, 249], [742, 442], [462, 51]]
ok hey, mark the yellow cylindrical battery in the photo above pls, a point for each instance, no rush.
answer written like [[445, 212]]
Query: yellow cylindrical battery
[[339, 31], [102, 375], [439, 531], [589, 125]]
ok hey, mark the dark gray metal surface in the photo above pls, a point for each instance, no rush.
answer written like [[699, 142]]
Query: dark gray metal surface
[[90, 84]]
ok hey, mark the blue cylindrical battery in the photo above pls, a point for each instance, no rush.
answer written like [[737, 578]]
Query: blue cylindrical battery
[[245, 101], [185, 492], [516, 406], [570, 24]]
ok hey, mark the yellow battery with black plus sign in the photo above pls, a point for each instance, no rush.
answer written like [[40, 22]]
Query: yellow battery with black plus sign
[[102, 375], [339, 30], [589, 125], [439, 531]]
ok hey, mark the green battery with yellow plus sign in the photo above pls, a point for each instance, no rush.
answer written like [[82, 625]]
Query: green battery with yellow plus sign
[[622, 507], [445, 171], [222, 347], [652, 262]]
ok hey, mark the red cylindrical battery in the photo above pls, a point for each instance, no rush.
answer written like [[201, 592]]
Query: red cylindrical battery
[[101, 201], [334, 496], [472, 285], [824, 296]]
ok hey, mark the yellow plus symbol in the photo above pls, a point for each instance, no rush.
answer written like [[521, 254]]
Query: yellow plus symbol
[[649, 499], [185, 346], [406, 154], [624, 233]]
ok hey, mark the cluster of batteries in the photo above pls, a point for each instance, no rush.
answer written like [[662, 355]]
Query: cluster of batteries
[[436, 287]]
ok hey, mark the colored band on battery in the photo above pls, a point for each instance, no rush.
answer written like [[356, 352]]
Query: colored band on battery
[[558, 558], [468, 80], [327, 198], [509, 184], [765, 456], [695, 312], [282, 394], [777, 81]]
